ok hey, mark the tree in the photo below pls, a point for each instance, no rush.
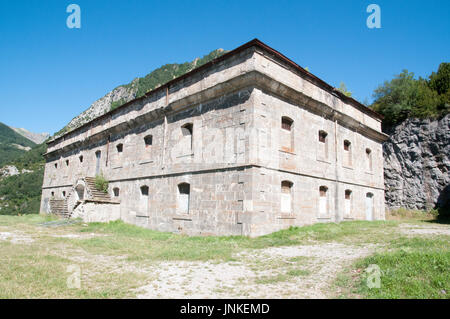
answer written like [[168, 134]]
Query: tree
[[403, 97], [440, 81]]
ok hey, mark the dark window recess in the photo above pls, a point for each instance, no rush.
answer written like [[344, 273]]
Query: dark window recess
[[119, 148], [348, 194], [148, 140], [184, 188], [81, 159], [286, 123], [323, 191], [286, 186], [144, 190], [187, 129], [116, 191], [322, 136], [346, 145]]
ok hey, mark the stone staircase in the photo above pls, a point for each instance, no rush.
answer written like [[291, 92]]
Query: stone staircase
[[59, 207], [95, 194], [65, 207]]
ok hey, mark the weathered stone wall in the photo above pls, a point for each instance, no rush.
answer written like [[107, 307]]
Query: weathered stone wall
[[219, 140], [216, 202], [91, 212], [306, 157], [283, 74], [307, 168], [266, 200]]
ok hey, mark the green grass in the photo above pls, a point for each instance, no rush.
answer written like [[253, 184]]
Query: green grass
[[141, 244], [410, 214], [411, 268], [415, 267], [30, 271], [19, 221]]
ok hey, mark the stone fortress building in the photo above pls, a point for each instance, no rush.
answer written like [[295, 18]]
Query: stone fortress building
[[247, 144]]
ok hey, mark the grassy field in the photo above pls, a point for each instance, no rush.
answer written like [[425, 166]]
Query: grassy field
[[117, 260]]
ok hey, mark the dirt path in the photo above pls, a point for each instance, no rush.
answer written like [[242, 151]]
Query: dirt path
[[282, 272], [428, 230]]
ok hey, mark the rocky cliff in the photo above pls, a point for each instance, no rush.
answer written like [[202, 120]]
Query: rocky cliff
[[417, 164], [119, 95]]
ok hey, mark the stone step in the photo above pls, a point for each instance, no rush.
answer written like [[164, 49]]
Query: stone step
[[96, 194]]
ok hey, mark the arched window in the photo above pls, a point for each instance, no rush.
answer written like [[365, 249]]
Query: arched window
[[64, 194], [53, 194], [322, 152], [347, 145], [148, 140], [56, 165], [323, 201], [119, 148], [98, 156], [80, 191], [348, 203], [81, 158], [187, 129], [143, 202], [347, 158], [286, 197], [116, 191], [184, 192], [369, 206], [323, 136], [286, 135], [67, 162], [369, 159]]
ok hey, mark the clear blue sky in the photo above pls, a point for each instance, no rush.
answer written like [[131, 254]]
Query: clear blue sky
[[50, 73]]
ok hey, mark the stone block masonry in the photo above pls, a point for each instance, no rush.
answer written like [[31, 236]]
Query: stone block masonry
[[247, 144]]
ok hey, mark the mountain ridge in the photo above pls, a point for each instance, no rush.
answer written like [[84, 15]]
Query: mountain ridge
[[12, 144], [136, 88], [36, 138]]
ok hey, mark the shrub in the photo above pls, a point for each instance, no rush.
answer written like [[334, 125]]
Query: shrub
[[101, 183]]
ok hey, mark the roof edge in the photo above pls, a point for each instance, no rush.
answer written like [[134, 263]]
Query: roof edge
[[255, 42]]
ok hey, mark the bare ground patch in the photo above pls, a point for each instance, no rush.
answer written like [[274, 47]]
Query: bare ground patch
[[16, 237], [413, 230], [279, 272]]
